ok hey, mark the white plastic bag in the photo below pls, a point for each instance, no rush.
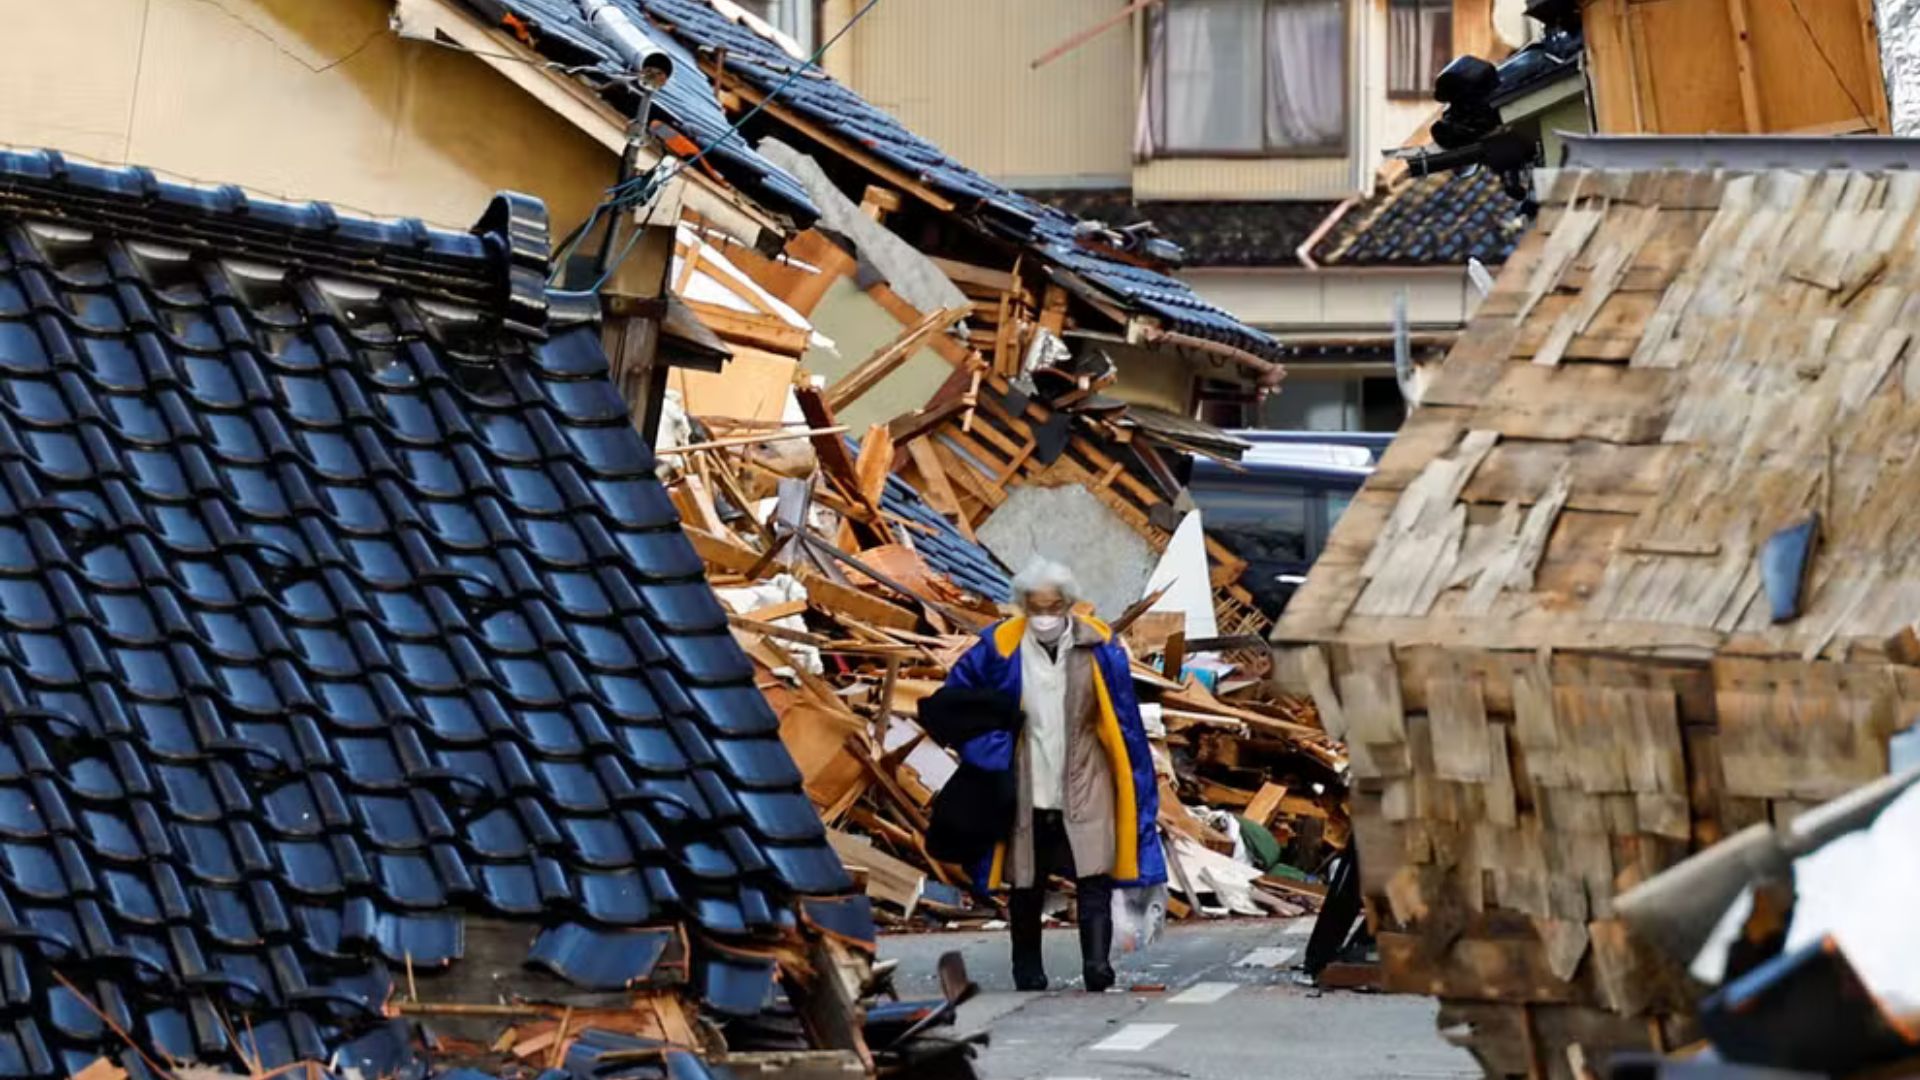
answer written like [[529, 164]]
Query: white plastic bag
[[1139, 915]]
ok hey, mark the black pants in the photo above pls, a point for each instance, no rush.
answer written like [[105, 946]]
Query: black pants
[[1093, 910]]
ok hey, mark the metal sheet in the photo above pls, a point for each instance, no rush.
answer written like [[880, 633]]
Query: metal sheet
[[1900, 61]]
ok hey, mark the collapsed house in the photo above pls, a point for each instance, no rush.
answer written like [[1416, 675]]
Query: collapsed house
[[366, 704], [1637, 575], [1028, 347]]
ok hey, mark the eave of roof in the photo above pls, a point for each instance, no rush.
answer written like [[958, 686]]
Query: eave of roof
[[338, 603], [548, 43], [743, 62], [1440, 220]]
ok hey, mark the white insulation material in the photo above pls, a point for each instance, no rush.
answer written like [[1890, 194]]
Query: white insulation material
[[1900, 60]]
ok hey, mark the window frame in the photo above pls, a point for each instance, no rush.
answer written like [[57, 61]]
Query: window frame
[[1150, 71], [1420, 8]]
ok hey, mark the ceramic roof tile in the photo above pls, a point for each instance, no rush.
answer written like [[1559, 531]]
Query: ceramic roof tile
[[1441, 220], [685, 106], [339, 603], [1208, 233], [1004, 214], [968, 564]]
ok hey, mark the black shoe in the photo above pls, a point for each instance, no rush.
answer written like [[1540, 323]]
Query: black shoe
[[1099, 980], [1029, 982]]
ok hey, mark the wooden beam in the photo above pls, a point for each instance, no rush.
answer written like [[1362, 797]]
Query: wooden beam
[[1266, 803], [755, 96], [825, 992], [879, 202], [754, 439], [908, 315], [721, 552], [1876, 70], [815, 249], [874, 464], [908, 428], [1743, 55], [836, 461], [1082, 37], [980, 277], [1053, 309], [935, 485], [870, 372], [761, 331], [832, 598]]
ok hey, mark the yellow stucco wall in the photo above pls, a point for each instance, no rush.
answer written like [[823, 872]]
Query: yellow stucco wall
[[294, 98], [958, 74]]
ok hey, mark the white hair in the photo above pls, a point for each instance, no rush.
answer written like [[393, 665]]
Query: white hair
[[1044, 573]]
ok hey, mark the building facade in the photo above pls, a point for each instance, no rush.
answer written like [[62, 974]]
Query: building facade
[[1249, 132]]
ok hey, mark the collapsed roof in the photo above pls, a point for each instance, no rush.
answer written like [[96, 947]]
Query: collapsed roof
[[817, 105], [341, 613]]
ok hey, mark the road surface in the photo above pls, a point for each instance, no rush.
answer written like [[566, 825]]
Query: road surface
[[1230, 1011]]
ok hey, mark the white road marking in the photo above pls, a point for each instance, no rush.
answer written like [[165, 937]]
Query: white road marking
[[1205, 993], [1133, 1037], [1268, 957]]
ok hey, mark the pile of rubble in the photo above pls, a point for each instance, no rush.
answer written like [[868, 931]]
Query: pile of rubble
[[854, 596]]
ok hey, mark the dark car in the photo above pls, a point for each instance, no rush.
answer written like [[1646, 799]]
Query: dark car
[[1278, 509]]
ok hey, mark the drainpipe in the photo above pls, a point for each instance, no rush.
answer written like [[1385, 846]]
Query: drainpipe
[[646, 60], [1305, 251]]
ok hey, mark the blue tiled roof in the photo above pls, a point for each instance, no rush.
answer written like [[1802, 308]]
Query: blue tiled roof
[[1439, 220], [1008, 214], [995, 210], [339, 603], [686, 104], [968, 564]]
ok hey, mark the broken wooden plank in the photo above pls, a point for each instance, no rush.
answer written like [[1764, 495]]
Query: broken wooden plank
[[833, 598], [1265, 803], [756, 439], [889, 880]]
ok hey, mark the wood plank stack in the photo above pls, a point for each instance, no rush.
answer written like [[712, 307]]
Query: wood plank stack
[[1542, 629], [850, 625]]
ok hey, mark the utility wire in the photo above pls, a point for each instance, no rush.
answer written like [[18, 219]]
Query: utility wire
[[806, 66]]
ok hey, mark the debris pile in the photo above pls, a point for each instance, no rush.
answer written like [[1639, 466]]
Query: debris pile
[[854, 595]]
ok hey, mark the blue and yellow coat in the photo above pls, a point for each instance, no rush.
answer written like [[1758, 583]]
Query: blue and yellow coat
[[994, 664]]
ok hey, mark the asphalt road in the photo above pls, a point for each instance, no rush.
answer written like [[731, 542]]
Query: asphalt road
[[1230, 1011]]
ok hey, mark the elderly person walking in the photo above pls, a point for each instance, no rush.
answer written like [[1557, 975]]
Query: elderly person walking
[[1084, 799]]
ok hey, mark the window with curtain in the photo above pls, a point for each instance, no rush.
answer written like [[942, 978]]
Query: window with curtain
[[1419, 44], [1245, 77]]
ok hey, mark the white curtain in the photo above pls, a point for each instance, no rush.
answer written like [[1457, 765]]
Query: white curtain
[[1403, 48], [1244, 76], [1306, 73], [1210, 74]]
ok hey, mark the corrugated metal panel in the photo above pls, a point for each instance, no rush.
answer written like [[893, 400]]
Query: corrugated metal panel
[[1244, 179], [958, 75]]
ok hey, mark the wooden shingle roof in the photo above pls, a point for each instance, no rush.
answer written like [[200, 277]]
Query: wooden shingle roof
[[1542, 627], [1672, 367]]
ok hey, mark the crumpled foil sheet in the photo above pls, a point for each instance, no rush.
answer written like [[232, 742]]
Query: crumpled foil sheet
[[1900, 60]]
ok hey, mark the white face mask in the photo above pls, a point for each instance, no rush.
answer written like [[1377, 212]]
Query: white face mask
[[1047, 624]]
